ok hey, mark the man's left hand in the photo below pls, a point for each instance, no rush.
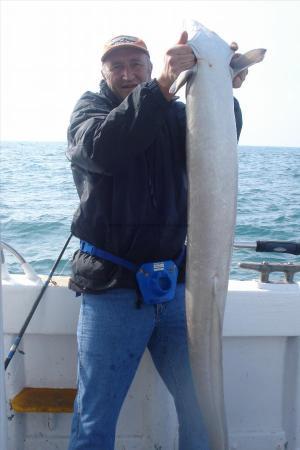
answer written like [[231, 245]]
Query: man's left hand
[[239, 79]]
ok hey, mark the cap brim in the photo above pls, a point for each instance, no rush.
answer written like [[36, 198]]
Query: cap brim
[[125, 45]]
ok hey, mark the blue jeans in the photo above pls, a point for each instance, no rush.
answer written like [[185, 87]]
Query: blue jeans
[[112, 337]]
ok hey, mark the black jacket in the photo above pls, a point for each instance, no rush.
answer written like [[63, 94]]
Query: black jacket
[[128, 163]]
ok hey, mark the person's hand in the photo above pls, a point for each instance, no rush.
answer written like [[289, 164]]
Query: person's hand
[[178, 58], [239, 79]]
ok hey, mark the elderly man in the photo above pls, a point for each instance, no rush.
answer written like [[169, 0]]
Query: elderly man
[[127, 149]]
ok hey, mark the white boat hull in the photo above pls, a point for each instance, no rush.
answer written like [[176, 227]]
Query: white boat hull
[[261, 371]]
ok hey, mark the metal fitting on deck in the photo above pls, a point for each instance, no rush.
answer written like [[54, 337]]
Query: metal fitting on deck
[[265, 268]]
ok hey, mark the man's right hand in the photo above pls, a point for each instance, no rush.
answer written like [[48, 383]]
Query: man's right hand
[[177, 59]]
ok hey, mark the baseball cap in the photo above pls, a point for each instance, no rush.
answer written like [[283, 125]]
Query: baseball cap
[[123, 41]]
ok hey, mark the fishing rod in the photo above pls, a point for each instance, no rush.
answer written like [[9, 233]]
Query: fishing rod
[[271, 246], [17, 341]]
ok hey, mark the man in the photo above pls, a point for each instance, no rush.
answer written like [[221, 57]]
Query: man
[[127, 149]]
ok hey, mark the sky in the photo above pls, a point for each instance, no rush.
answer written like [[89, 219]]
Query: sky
[[50, 55]]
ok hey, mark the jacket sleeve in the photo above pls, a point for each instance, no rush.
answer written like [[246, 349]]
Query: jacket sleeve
[[102, 141], [238, 118]]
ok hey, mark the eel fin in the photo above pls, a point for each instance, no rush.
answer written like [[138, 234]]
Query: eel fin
[[182, 78], [242, 62]]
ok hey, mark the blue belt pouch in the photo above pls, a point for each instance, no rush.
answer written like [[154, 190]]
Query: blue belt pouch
[[157, 281]]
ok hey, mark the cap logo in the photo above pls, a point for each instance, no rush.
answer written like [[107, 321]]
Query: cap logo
[[123, 39]]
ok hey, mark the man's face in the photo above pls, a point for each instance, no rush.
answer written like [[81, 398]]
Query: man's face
[[124, 69]]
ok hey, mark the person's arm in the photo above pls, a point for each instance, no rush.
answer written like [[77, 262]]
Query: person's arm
[[103, 142]]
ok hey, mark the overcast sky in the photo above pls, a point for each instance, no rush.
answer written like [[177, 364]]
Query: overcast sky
[[50, 55]]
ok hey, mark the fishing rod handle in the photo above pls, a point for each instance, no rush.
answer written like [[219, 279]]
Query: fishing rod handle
[[278, 246], [271, 246]]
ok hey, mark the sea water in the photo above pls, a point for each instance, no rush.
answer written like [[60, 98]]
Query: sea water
[[38, 199]]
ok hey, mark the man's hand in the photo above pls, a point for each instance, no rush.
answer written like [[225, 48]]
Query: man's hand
[[240, 78], [177, 59]]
